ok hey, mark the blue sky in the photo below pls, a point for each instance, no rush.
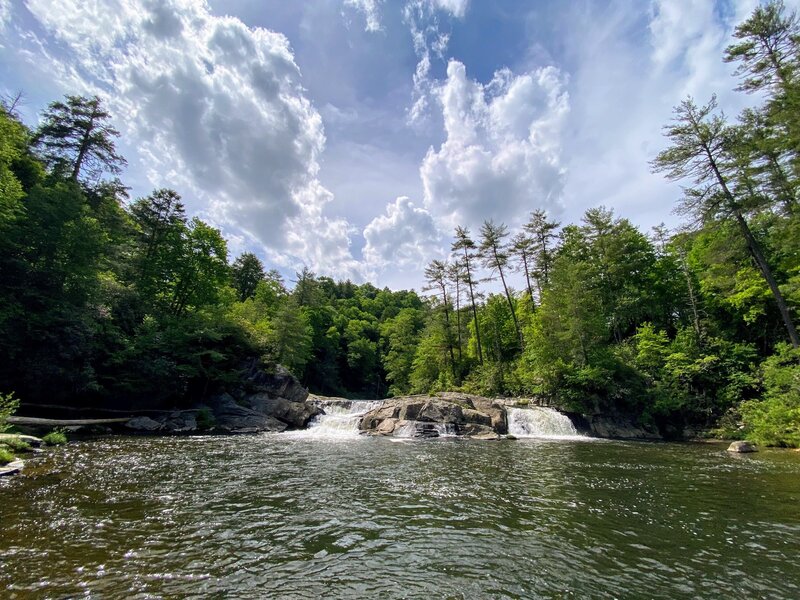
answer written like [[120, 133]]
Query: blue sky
[[351, 136]]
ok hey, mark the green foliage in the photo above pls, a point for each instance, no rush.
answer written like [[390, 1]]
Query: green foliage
[[205, 419], [15, 444], [775, 419], [8, 406], [57, 437], [5, 455]]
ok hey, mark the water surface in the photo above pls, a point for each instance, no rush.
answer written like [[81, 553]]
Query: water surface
[[302, 516]]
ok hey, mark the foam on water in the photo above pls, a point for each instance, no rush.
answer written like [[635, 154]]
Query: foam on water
[[340, 420], [541, 422]]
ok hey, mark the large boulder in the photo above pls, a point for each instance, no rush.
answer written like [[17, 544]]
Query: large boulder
[[294, 414], [742, 447], [432, 416], [231, 417], [277, 382]]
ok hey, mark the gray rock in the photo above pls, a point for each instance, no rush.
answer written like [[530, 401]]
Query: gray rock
[[230, 417], [742, 447], [609, 426], [294, 414], [12, 468], [277, 382], [144, 424], [181, 421], [429, 416]]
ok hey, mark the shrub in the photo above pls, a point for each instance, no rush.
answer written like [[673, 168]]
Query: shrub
[[8, 405], [5, 456], [16, 444], [205, 419], [55, 438]]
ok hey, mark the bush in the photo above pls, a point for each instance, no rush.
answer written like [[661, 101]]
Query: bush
[[8, 405], [15, 444], [55, 438], [205, 419], [5, 456]]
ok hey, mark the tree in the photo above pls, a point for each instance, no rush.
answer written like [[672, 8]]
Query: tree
[[455, 275], [700, 151], [466, 245], [247, 272], [77, 139], [436, 276], [161, 223], [767, 48], [543, 235], [522, 248], [202, 270], [495, 257]]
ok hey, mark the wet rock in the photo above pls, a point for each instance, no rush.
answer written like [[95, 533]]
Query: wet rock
[[12, 468], [433, 416], [145, 424], [742, 447]]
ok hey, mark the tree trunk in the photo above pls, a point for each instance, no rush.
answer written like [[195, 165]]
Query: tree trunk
[[458, 317], [755, 251], [474, 310], [527, 276], [508, 297], [766, 271], [83, 150], [448, 333]]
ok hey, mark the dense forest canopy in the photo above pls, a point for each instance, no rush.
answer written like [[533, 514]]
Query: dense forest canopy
[[111, 302]]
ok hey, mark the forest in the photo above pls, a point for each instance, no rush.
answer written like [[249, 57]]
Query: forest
[[109, 301]]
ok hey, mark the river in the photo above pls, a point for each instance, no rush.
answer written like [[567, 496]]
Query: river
[[328, 514]]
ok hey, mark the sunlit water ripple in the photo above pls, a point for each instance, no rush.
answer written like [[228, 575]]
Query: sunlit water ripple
[[291, 516]]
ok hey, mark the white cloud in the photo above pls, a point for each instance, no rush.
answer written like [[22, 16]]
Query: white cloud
[[371, 11], [404, 238], [216, 109], [429, 42], [5, 13], [502, 155]]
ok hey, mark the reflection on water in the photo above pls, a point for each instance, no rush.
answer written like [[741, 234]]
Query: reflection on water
[[298, 517]]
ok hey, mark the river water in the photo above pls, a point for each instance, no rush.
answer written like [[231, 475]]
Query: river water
[[334, 515]]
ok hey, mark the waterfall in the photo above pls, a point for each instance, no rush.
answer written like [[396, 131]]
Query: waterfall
[[340, 420], [540, 422]]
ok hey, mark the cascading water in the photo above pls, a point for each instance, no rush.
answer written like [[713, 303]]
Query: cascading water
[[540, 422], [340, 420]]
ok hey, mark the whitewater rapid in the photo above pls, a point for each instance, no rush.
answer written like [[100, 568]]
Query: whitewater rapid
[[541, 422]]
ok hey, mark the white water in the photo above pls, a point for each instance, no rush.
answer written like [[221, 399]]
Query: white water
[[540, 422], [340, 419]]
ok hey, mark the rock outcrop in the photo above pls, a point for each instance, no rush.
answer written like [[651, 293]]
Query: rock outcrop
[[266, 401], [433, 416]]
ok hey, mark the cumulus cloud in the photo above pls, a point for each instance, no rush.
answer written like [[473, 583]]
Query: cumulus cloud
[[502, 154], [371, 11], [216, 108], [405, 237], [430, 42]]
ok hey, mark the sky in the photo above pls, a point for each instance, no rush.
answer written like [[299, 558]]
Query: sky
[[352, 136]]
